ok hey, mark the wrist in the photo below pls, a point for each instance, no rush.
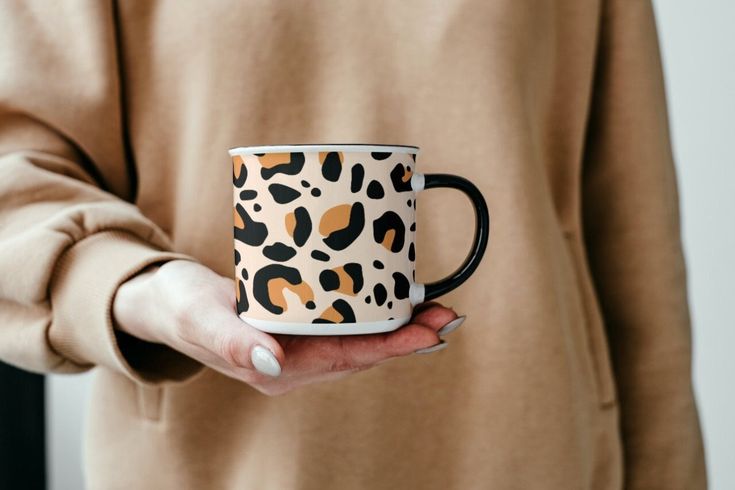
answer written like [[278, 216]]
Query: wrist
[[131, 312]]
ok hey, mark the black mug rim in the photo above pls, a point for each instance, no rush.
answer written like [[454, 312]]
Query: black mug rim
[[313, 147]]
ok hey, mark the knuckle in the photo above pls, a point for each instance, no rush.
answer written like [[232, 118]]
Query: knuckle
[[339, 361], [342, 364], [186, 330], [227, 347], [185, 311]]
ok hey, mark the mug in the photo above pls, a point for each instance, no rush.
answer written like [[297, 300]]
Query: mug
[[325, 237]]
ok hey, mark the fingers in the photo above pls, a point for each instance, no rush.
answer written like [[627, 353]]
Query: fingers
[[329, 354], [356, 352], [433, 315], [423, 306], [379, 347], [208, 324]]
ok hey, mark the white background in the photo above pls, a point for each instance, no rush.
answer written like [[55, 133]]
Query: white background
[[698, 45]]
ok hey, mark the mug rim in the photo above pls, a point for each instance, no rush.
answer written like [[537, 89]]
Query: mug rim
[[309, 147]]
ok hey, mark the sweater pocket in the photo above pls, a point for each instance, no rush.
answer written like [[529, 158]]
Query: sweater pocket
[[150, 399], [595, 328]]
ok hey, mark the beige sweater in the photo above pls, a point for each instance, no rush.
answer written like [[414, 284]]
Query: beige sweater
[[573, 369]]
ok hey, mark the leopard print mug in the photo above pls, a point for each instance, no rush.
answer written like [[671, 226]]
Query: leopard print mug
[[325, 237]]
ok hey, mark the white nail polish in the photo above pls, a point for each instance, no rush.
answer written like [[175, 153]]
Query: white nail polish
[[434, 348], [452, 326], [264, 361]]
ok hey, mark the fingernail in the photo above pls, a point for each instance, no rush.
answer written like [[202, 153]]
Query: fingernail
[[434, 348], [265, 362], [452, 326]]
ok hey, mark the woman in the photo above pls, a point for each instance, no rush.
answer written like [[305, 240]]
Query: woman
[[573, 368]]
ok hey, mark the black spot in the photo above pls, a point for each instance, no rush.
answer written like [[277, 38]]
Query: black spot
[[397, 175], [319, 255], [408, 203], [248, 195], [413, 155], [292, 167], [411, 252], [387, 222], [401, 286], [254, 233], [413, 227], [283, 194], [310, 305], [380, 294], [242, 301], [244, 274], [305, 184], [329, 280], [390, 305], [280, 252], [379, 155], [413, 273], [358, 173], [344, 309], [354, 270], [240, 181], [256, 207], [332, 166], [316, 192], [302, 230], [414, 203], [237, 257], [368, 299], [264, 276], [391, 318], [341, 239], [375, 190], [378, 264]]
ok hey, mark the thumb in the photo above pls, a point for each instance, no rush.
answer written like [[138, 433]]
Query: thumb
[[238, 344]]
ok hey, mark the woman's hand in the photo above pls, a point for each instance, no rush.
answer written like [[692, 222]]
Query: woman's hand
[[191, 309]]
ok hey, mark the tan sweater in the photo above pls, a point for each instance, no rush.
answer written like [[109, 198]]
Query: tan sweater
[[573, 370]]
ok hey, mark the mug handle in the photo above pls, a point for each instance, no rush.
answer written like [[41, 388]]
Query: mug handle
[[432, 290]]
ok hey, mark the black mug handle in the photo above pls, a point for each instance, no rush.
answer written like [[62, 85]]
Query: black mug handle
[[482, 231]]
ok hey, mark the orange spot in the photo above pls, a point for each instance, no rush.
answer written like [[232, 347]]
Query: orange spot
[[277, 285], [237, 164], [270, 160], [332, 315], [239, 223], [388, 240], [290, 223], [346, 284], [335, 218], [407, 174]]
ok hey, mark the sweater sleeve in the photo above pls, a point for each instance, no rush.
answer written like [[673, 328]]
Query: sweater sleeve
[[69, 235], [632, 232]]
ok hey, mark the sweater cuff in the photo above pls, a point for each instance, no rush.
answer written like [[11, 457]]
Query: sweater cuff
[[86, 279]]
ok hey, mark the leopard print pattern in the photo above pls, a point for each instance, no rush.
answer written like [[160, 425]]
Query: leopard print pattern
[[324, 237]]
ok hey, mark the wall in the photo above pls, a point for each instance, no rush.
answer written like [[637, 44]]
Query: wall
[[67, 398], [698, 46]]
